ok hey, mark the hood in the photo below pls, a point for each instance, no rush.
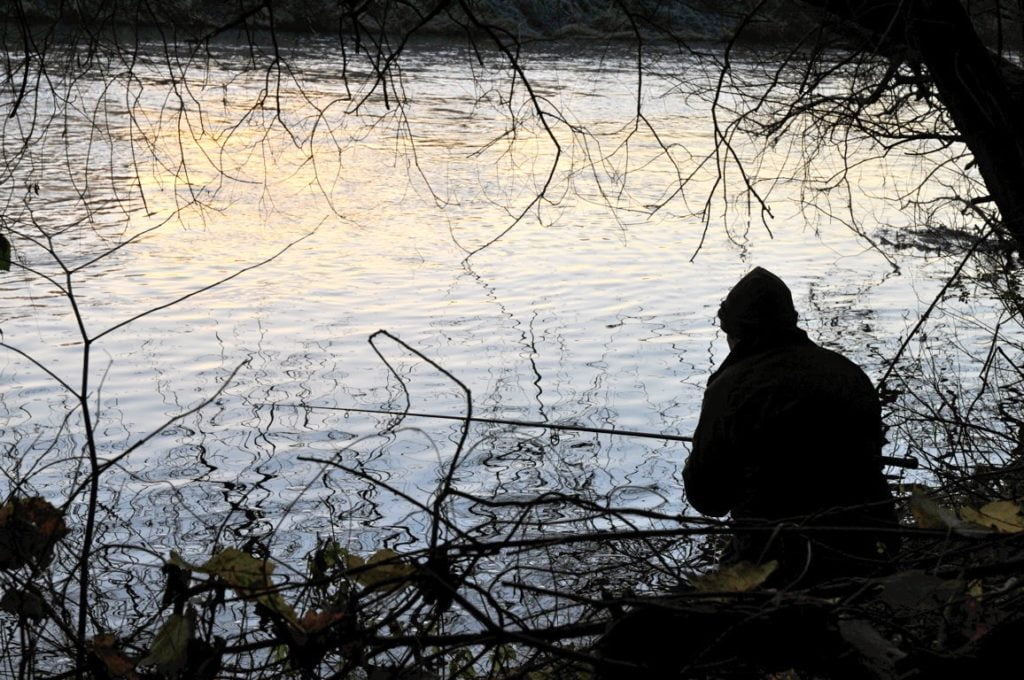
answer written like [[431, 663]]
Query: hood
[[759, 305], [758, 312]]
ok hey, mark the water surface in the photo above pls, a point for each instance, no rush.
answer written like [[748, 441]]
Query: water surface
[[597, 307]]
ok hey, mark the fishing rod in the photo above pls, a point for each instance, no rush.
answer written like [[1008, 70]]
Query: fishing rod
[[909, 463], [501, 421]]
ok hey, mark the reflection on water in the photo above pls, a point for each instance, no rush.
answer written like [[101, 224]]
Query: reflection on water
[[591, 310]]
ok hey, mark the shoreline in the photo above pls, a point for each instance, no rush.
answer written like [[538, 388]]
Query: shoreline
[[684, 24]]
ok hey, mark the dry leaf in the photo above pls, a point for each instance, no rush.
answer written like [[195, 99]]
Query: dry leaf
[[116, 663], [25, 603], [930, 515], [1003, 516], [315, 621], [29, 529], [878, 653], [915, 592], [734, 578]]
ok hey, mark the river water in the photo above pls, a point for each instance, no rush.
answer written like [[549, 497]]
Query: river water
[[597, 307]]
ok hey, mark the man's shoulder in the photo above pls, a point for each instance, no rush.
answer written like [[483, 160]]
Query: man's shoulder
[[836, 362], [791, 364]]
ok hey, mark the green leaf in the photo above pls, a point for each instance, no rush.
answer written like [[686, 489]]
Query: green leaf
[[169, 652], [383, 568], [249, 576], [353, 561], [239, 569], [179, 578], [5, 254], [179, 562]]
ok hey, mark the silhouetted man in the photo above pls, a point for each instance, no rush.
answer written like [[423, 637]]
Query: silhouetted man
[[790, 436]]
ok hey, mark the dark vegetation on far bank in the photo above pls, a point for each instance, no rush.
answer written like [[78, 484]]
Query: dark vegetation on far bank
[[526, 20]]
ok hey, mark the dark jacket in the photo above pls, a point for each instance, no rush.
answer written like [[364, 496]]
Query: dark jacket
[[790, 434]]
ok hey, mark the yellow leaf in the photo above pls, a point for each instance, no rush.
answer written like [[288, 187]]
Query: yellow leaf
[[734, 578], [1003, 516], [930, 515]]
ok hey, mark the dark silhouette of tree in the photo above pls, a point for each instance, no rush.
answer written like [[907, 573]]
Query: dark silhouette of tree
[[936, 55]]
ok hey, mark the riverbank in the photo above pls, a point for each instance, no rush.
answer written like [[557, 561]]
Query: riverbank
[[522, 20]]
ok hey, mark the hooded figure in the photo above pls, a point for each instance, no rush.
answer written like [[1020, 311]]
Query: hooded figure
[[789, 437]]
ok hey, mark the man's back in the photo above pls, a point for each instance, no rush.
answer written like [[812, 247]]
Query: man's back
[[790, 433]]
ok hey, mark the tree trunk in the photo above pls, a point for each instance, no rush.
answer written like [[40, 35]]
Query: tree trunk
[[976, 87]]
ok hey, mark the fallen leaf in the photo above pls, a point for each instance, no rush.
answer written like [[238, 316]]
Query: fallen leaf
[[1003, 516], [734, 578], [974, 624], [927, 513]]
